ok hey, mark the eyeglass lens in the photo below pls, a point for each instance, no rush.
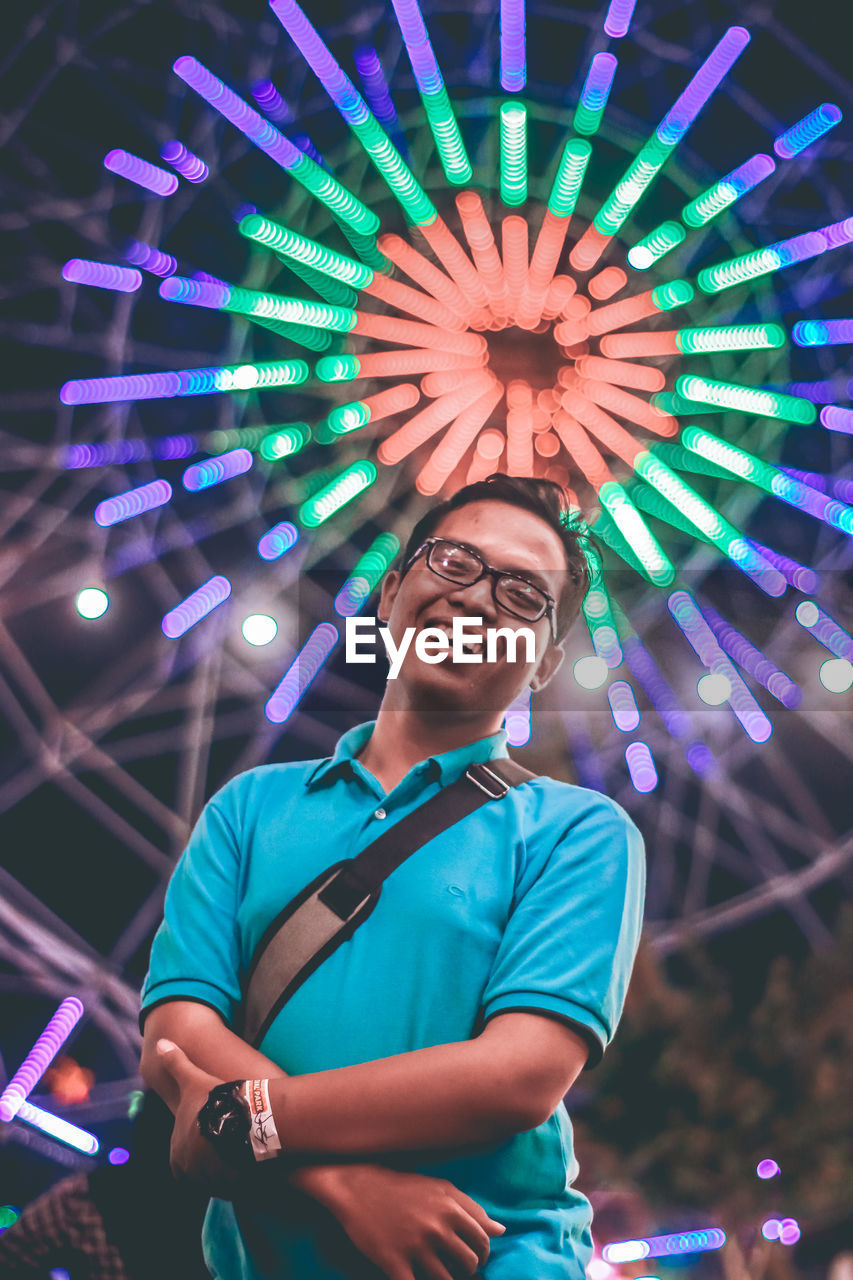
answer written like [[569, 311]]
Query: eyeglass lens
[[516, 595]]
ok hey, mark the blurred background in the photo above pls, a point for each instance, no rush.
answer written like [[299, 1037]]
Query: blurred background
[[152, 648]]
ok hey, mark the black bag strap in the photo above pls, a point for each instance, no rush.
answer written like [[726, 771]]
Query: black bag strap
[[329, 910]]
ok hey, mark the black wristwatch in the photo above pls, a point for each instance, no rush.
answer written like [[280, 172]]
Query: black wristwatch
[[225, 1122]]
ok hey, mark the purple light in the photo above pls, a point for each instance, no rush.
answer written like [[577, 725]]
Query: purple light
[[376, 90], [687, 106], [204, 475], [196, 293], [418, 46], [306, 146], [795, 574], [662, 1246], [702, 640], [623, 705], [822, 333], [750, 173], [789, 1231], [119, 1155], [767, 1169], [304, 668], [700, 757], [834, 418], [599, 80], [770, 1229], [186, 382], [277, 540], [271, 102], [146, 175], [618, 18], [773, 679], [189, 165], [315, 52], [197, 605], [658, 691], [170, 448], [39, 1058], [644, 775], [513, 60], [806, 131], [101, 275], [153, 260], [818, 392], [126, 505], [124, 451], [825, 629], [62, 1130]]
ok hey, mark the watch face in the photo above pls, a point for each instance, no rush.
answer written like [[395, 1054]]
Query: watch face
[[224, 1122]]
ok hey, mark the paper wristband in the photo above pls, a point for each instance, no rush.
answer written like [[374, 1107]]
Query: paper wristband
[[263, 1134]]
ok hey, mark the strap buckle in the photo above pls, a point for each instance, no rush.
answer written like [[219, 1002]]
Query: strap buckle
[[488, 781], [344, 894]]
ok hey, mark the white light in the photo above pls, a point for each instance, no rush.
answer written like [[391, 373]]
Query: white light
[[590, 672], [92, 602], [598, 1269], [714, 689], [259, 629], [626, 1251], [640, 257], [836, 674]]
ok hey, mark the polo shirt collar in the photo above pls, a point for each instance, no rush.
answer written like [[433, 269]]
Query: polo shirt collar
[[447, 767]]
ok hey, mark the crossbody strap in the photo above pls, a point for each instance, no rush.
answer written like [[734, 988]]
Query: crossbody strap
[[329, 910]]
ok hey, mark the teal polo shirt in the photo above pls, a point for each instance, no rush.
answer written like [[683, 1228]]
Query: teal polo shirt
[[532, 902]]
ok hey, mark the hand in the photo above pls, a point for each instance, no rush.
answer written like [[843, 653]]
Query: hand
[[191, 1155], [411, 1225]]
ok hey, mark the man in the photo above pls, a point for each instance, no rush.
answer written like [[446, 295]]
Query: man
[[443, 1036]]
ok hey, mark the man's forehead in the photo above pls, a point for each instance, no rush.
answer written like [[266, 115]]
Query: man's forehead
[[516, 537]]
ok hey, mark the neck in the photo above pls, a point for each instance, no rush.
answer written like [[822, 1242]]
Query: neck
[[403, 736]]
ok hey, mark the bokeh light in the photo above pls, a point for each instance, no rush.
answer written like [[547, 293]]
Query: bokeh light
[[91, 602], [259, 629]]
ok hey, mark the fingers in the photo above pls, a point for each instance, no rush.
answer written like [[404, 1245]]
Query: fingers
[[462, 1260], [472, 1237], [477, 1212], [172, 1058]]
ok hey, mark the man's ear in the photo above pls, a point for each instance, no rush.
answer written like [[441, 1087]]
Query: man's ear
[[548, 667], [388, 594]]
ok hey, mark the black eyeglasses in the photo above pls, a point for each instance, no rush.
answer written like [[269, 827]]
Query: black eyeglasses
[[457, 563]]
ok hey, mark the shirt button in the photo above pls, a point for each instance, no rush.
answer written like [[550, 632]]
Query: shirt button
[[380, 813]]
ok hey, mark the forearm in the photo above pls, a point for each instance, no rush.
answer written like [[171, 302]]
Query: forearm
[[452, 1095]]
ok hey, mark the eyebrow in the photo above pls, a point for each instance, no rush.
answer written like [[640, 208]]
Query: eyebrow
[[530, 575]]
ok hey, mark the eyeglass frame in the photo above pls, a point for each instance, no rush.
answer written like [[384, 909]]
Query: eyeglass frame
[[549, 609]]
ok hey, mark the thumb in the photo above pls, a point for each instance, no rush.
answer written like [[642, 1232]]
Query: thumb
[[173, 1058]]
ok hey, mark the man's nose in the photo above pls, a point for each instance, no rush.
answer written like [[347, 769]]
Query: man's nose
[[477, 600]]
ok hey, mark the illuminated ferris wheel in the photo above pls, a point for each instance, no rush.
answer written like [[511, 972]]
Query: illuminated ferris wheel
[[320, 272]]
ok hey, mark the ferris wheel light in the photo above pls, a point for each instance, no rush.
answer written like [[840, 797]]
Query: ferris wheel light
[[836, 674], [714, 689], [91, 602], [590, 672], [259, 629]]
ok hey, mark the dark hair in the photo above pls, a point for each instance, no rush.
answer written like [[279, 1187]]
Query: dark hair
[[544, 498]]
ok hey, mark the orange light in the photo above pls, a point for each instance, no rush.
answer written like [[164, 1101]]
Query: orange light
[[478, 233], [611, 433], [519, 428], [514, 246], [588, 249], [606, 283], [543, 264], [640, 344], [413, 301], [387, 364], [424, 273], [431, 419], [639, 376], [68, 1081], [638, 411], [560, 290], [460, 435], [547, 444], [616, 315], [458, 265], [576, 442], [392, 329], [394, 400]]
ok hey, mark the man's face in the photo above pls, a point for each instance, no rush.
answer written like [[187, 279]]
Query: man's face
[[507, 538]]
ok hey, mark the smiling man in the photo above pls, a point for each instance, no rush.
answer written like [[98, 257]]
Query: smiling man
[[412, 1086]]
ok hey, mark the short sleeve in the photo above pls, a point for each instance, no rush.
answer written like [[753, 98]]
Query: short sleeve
[[570, 943], [195, 954]]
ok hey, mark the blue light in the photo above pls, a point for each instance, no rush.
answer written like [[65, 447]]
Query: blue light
[[822, 333], [185, 161], [203, 475], [806, 131], [304, 668], [618, 18], [277, 540]]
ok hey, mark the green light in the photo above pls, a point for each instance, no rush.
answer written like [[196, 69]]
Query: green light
[[285, 441], [656, 565], [399, 177], [655, 245], [348, 417], [336, 197], [9, 1215], [337, 368], [709, 203], [376, 561], [632, 186], [236, 438], [748, 266], [343, 489], [731, 337], [302, 249], [316, 315], [328, 288], [676, 293], [677, 406], [513, 143], [570, 174], [448, 140], [598, 614], [730, 395], [314, 339]]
